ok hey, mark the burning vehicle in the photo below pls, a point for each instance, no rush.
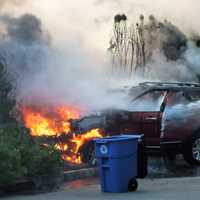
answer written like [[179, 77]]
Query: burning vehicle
[[38, 66], [165, 112], [53, 125]]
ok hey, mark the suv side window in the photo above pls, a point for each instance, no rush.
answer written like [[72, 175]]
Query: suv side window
[[150, 101], [176, 98], [182, 98], [192, 96]]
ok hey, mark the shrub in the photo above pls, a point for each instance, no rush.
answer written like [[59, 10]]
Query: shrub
[[23, 158]]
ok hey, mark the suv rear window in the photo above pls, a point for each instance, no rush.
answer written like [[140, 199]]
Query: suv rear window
[[150, 101]]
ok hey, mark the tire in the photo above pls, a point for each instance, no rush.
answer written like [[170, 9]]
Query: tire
[[132, 185], [191, 152], [87, 153]]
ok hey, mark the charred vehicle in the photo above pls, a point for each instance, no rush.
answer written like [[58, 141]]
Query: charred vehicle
[[167, 113]]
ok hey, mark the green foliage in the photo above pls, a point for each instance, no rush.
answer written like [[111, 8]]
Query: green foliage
[[7, 100], [44, 161], [10, 165], [21, 157]]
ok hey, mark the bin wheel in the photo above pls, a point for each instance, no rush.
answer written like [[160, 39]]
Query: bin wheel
[[132, 185]]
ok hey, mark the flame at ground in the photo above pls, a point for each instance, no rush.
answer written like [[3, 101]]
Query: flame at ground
[[55, 122], [76, 142]]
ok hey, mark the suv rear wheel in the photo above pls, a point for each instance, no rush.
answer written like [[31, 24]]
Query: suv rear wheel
[[191, 151]]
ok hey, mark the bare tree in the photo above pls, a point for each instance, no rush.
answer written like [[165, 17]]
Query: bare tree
[[132, 46], [127, 45]]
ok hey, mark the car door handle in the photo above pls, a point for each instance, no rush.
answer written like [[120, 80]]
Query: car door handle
[[151, 118]]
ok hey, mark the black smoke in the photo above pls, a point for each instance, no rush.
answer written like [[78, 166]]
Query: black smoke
[[24, 29], [165, 36], [24, 45]]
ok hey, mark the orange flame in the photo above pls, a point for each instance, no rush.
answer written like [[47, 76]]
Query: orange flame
[[48, 122], [54, 122], [77, 141]]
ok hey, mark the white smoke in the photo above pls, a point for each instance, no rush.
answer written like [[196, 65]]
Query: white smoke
[[192, 56], [162, 69], [179, 114], [70, 63], [9, 3]]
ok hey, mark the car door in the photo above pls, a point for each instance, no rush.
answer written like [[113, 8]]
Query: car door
[[133, 125], [151, 122], [148, 106]]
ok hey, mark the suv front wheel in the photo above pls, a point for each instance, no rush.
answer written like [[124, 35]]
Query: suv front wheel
[[191, 150], [87, 153]]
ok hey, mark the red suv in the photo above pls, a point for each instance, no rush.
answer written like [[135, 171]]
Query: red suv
[[167, 113]]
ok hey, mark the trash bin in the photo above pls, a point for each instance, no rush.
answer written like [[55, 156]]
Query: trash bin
[[118, 162]]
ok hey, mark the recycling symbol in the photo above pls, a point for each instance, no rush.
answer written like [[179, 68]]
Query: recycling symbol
[[103, 149]]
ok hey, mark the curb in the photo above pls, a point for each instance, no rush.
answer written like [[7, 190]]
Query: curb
[[80, 174]]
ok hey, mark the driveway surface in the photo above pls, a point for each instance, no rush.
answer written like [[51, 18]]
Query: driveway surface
[[149, 189]]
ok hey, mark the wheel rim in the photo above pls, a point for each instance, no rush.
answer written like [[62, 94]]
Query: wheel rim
[[196, 149]]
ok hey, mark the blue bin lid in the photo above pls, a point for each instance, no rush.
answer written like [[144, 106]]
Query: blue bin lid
[[117, 138]]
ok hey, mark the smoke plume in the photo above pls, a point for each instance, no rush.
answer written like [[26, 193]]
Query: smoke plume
[[57, 53], [11, 2]]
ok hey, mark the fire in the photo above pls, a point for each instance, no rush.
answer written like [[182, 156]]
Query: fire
[[76, 142], [61, 147], [48, 122], [55, 122], [79, 140]]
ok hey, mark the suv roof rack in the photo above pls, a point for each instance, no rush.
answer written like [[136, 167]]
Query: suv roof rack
[[179, 84]]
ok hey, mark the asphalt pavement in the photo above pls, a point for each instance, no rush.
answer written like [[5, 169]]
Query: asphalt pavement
[[149, 189], [184, 183]]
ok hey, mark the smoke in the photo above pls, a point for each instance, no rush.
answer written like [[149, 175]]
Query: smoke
[[11, 2], [149, 102], [25, 29], [57, 52], [181, 114], [183, 13], [51, 74], [24, 45], [133, 47]]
